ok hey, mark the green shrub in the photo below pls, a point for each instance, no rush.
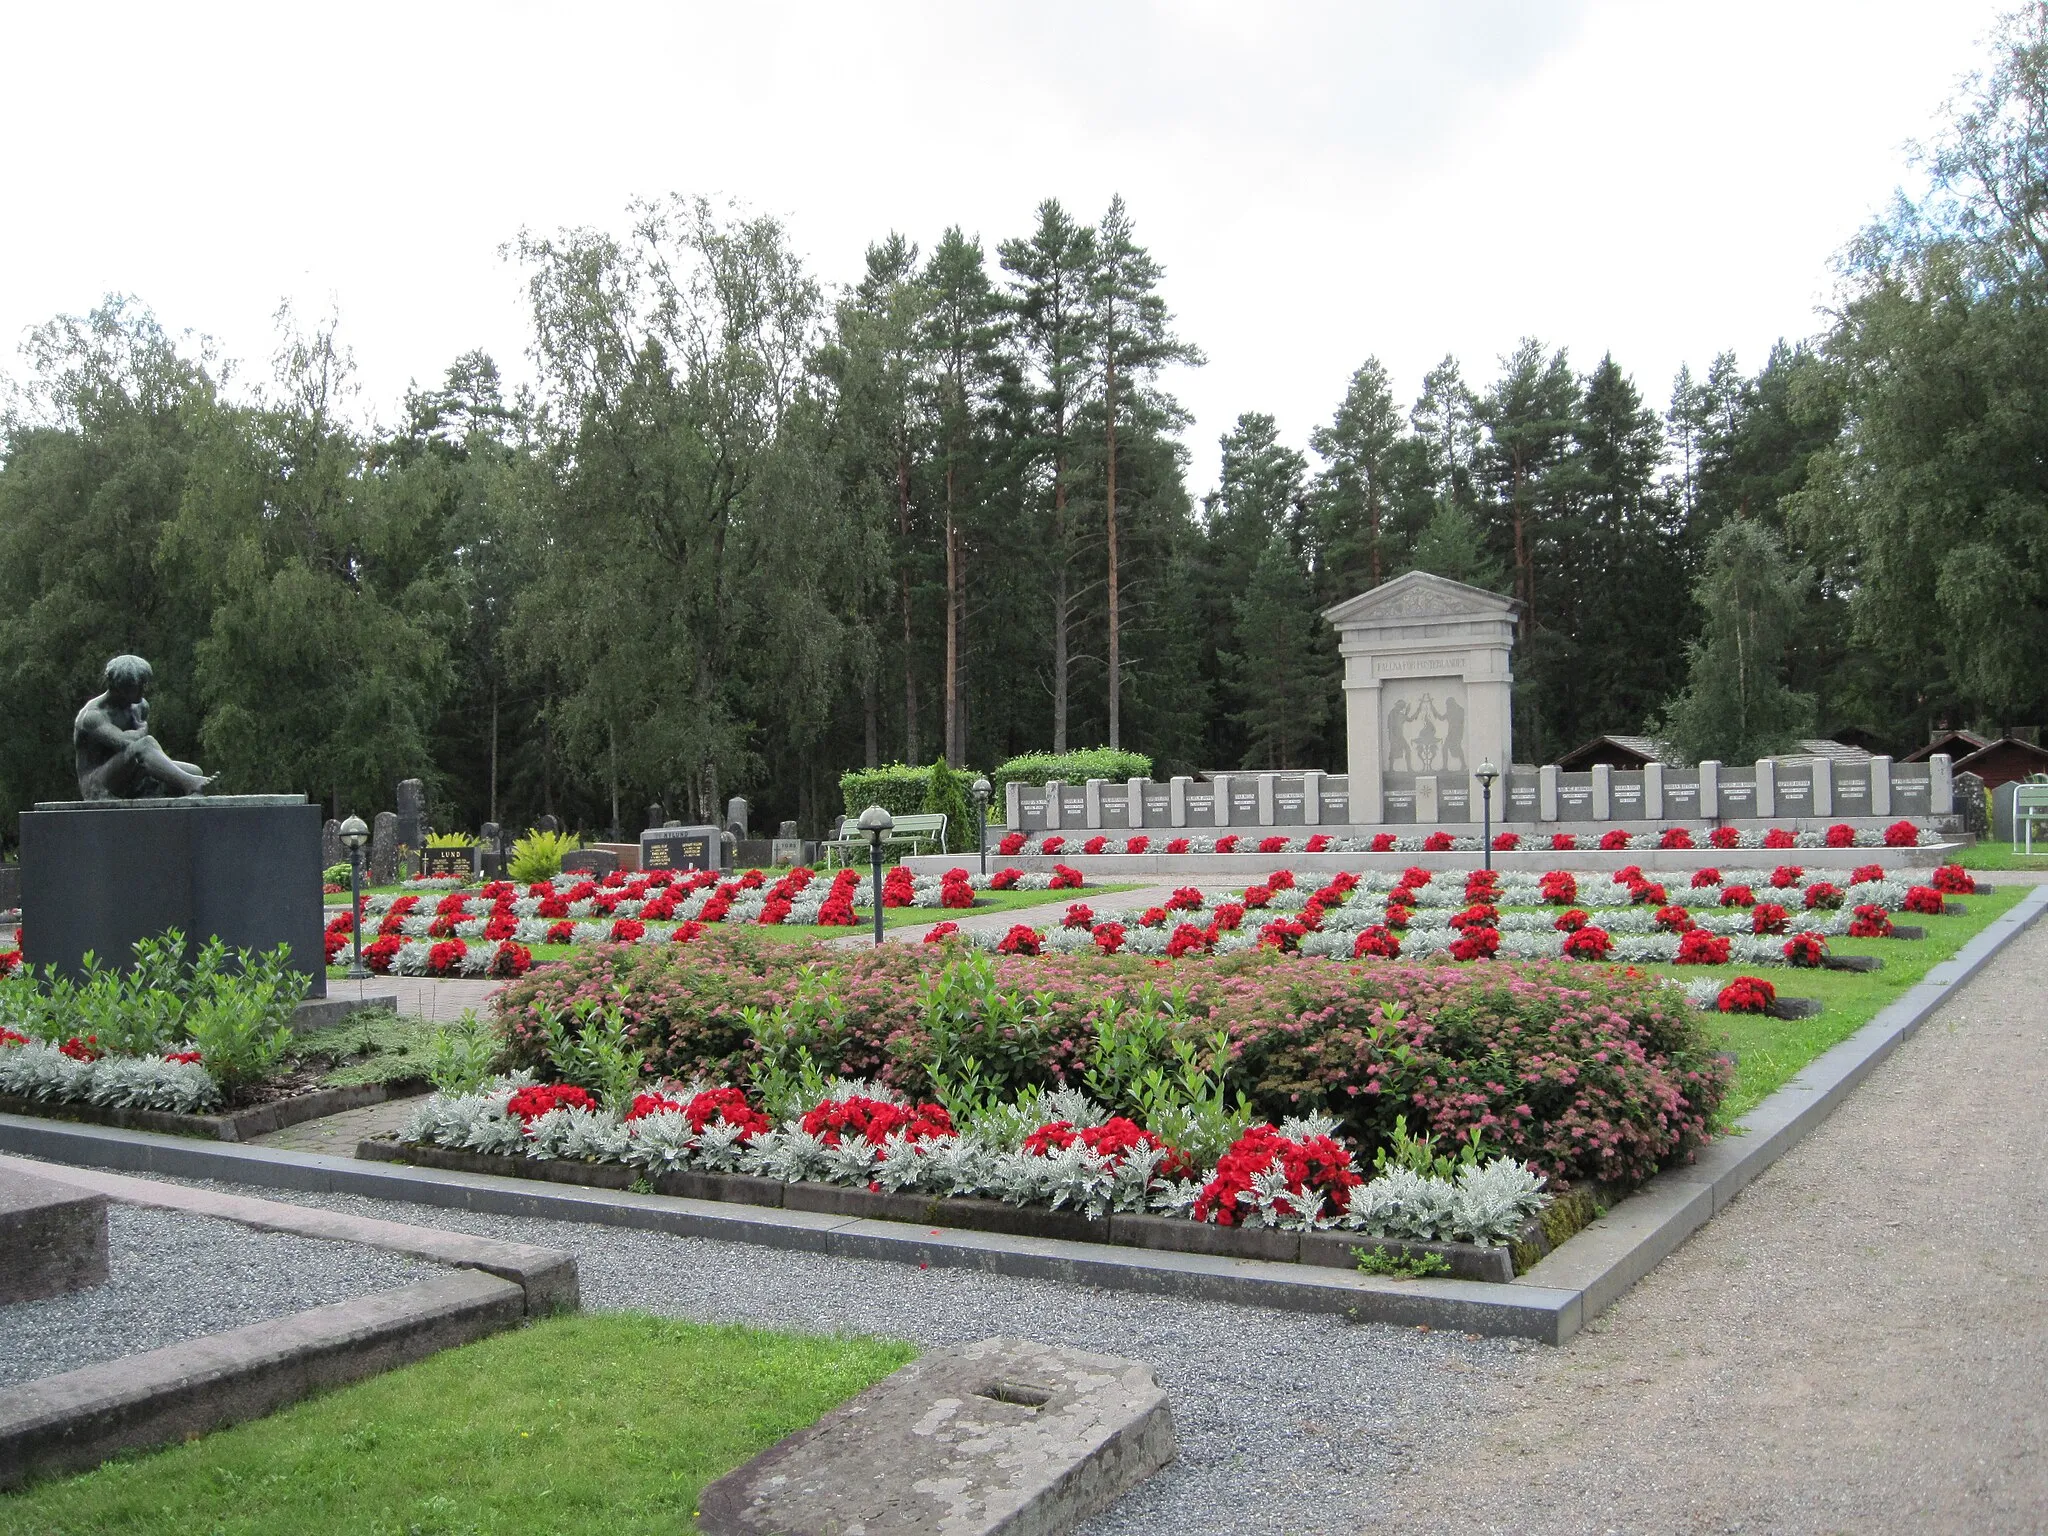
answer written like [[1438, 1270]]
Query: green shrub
[[335, 874], [946, 794], [538, 855], [896, 787], [451, 840], [1071, 768]]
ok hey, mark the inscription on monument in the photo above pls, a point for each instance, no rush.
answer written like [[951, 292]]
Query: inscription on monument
[[679, 848], [1681, 795], [451, 863], [1031, 811], [1738, 796], [1201, 806], [1575, 797], [1158, 806]]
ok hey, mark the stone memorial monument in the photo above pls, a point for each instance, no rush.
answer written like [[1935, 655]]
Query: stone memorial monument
[[1427, 696], [144, 850]]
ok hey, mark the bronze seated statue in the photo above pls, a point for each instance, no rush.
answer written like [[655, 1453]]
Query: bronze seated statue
[[117, 757]]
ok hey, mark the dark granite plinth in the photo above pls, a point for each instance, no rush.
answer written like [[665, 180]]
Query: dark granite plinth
[[100, 875]]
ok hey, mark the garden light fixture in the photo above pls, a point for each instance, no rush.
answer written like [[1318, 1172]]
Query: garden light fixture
[[877, 823], [982, 791], [353, 835], [1486, 775]]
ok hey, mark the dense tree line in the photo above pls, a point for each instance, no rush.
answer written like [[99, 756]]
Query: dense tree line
[[744, 533]]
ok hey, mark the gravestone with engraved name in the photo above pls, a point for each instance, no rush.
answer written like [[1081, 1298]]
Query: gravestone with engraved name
[[1200, 803], [1575, 797], [1738, 794], [1852, 789], [680, 848], [1397, 799], [1335, 795], [1454, 799], [1030, 808], [1794, 791], [1519, 796], [1625, 795], [1158, 800], [1681, 794], [1290, 801], [450, 863], [1910, 790]]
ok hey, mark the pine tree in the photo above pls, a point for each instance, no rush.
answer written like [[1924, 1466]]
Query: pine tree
[[1278, 670], [1354, 494], [1133, 340]]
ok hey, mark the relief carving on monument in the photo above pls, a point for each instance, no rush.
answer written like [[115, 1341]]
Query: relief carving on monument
[[1424, 727]]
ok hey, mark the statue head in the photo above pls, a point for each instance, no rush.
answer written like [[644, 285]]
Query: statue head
[[127, 678]]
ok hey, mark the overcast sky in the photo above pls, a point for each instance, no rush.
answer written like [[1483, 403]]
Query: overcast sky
[[1322, 182]]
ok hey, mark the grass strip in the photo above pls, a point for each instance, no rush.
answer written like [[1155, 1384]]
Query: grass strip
[[607, 1424]]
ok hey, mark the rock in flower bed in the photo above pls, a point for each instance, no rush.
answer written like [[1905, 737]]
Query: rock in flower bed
[[1592, 1075], [1900, 834], [438, 928]]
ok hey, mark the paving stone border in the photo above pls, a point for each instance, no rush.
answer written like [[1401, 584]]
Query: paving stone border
[[77, 1420], [1549, 1303]]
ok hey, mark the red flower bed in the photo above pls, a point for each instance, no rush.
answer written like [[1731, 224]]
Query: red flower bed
[[1377, 942], [1115, 1138], [1022, 939], [1109, 937], [1954, 880], [1078, 915], [1723, 837], [1822, 896], [1675, 837], [1702, 878], [1864, 873], [726, 1105], [1003, 879], [1186, 898], [1674, 920], [1476, 944], [899, 889], [86, 1049], [1506, 842], [1284, 934], [1383, 842], [1482, 885], [1052, 845], [1806, 949], [1227, 844], [627, 930], [1011, 843], [1923, 899], [1227, 916], [1737, 896], [1563, 842], [1317, 844], [1589, 943], [446, 957], [1478, 915], [1778, 837], [1095, 844], [380, 954], [1177, 845], [1066, 878], [1315, 1164], [876, 1119], [1572, 919], [1559, 887], [1747, 994], [1272, 845], [536, 1099], [1698, 947], [1138, 844], [1902, 834], [1769, 917], [1613, 840], [1437, 842], [938, 933], [1870, 922], [1841, 835]]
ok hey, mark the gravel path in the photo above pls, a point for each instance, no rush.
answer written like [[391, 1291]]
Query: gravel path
[[173, 1277], [1858, 1343], [1287, 1423]]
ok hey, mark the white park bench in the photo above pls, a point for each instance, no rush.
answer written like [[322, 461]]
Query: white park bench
[[913, 831], [2029, 806]]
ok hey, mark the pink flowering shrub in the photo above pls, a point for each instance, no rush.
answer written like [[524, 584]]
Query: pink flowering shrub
[[1592, 1074]]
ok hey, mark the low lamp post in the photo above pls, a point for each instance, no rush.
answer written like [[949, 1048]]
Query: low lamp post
[[1486, 775], [353, 836], [982, 790], [877, 823]]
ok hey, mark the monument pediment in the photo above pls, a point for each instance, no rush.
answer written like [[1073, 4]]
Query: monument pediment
[[1419, 595]]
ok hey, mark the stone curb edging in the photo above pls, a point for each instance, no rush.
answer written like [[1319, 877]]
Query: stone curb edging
[[1549, 1303], [1212, 867], [77, 1420], [1472, 1306], [241, 1125], [546, 1276]]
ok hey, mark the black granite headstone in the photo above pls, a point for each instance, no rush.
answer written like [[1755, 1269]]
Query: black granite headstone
[[1523, 799], [1738, 796], [102, 875], [1158, 804], [1852, 791], [1031, 811], [1625, 795], [1575, 797], [590, 861], [450, 863], [1290, 800], [1681, 794], [1200, 805], [679, 848]]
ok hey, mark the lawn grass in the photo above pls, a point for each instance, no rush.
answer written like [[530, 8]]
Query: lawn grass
[[609, 1424], [1768, 1051], [1998, 854]]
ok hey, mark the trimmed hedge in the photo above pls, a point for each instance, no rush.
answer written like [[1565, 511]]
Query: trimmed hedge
[[1594, 1075], [902, 790], [1071, 768]]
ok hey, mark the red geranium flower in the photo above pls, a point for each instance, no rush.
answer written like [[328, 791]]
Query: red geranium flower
[[1022, 939], [1588, 943], [1841, 835], [1902, 834], [1674, 919], [1871, 922], [1227, 844], [1573, 920], [1737, 896], [1383, 842], [1012, 843], [1506, 842], [1095, 844], [1769, 917], [1563, 842], [1723, 837], [1675, 837], [1137, 844], [1699, 947], [1437, 842], [1747, 994], [1864, 873], [1924, 899], [1109, 937], [1003, 879], [1613, 840], [1377, 941], [1821, 894], [938, 933], [1805, 949], [1954, 880], [1701, 878]]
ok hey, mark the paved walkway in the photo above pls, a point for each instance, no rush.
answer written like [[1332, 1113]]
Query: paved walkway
[[337, 1135], [1858, 1343], [423, 997]]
